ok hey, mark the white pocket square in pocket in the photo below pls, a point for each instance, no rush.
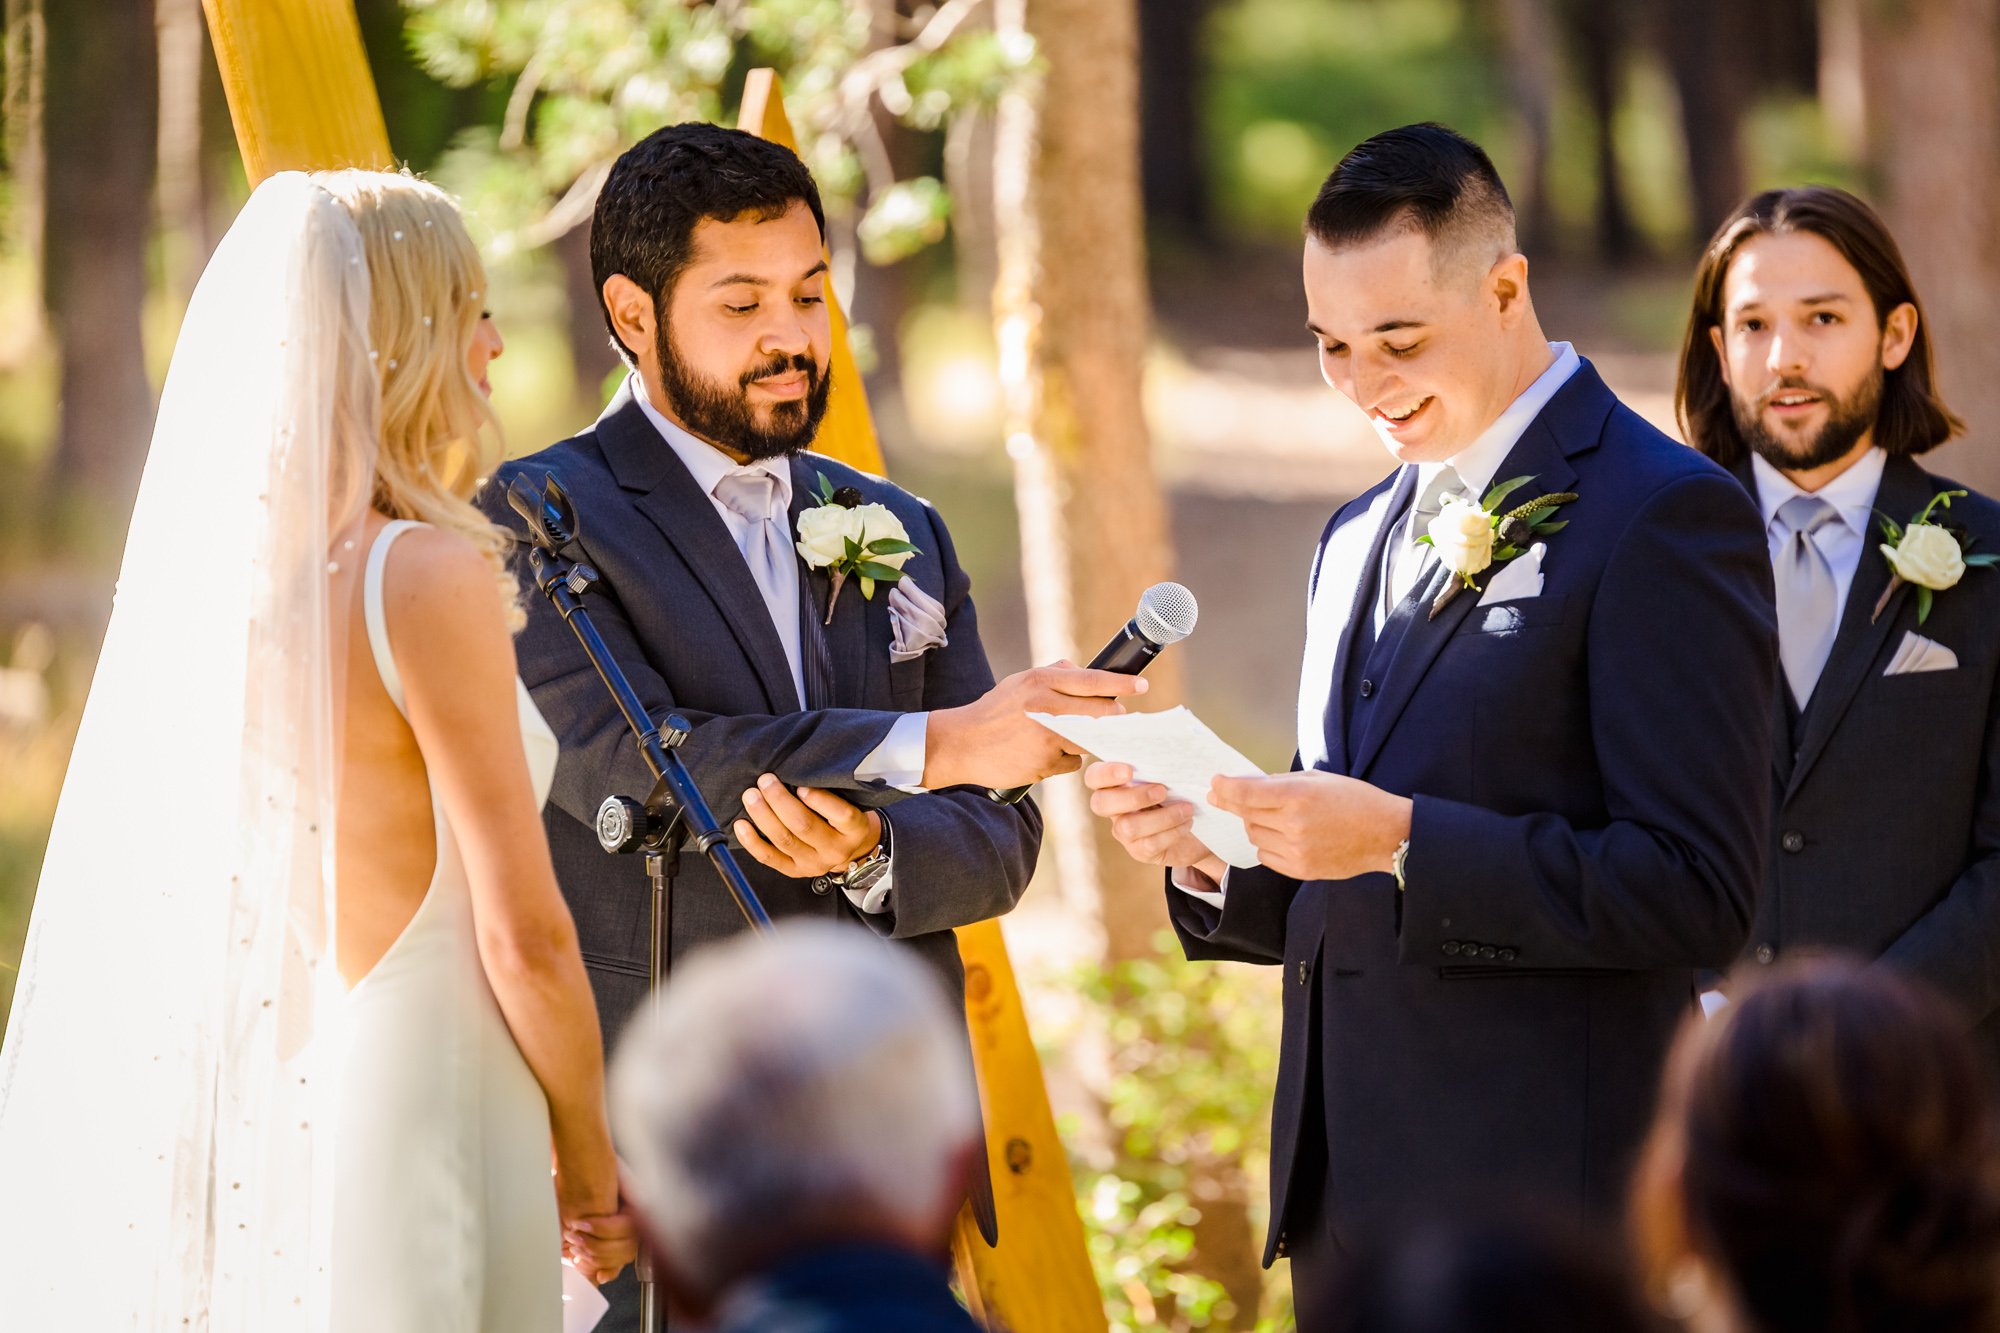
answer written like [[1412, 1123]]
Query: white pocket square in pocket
[[1916, 653], [918, 621], [1518, 579]]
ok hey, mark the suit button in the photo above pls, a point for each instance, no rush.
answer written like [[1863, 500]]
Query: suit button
[[1367, 688], [821, 884], [1793, 841], [1765, 953], [1302, 973], [1451, 947], [1488, 951], [1509, 955]]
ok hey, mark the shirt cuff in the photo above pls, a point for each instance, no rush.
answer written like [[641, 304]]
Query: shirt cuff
[[1197, 885], [899, 760]]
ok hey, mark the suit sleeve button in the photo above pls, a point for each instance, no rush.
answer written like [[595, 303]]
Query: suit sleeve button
[[1793, 841], [1509, 955], [1451, 947], [1765, 953], [1488, 951]]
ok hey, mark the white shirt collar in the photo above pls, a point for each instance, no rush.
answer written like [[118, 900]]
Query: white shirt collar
[[1852, 493], [1478, 461], [706, 463]]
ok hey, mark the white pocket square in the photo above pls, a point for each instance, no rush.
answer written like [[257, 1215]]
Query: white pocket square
[[1518, 579], [918, 621], [1916, 653]]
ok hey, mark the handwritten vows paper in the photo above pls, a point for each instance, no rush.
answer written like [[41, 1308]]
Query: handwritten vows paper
[[583, 1304], [1177, 750]]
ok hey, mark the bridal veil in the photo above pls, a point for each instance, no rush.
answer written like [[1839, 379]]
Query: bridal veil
[[162, 1159]]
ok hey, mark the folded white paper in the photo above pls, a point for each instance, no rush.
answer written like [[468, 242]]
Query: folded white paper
[[1177, 750], [583, 1304], [1518, 579]]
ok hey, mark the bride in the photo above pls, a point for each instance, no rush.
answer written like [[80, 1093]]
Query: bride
[[302, 1023]]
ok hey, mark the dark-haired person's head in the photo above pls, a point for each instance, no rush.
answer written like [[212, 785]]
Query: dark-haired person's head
[[707, 250], [1482, 1277], [1824, 1158], [1416, 292], [1807, 344]]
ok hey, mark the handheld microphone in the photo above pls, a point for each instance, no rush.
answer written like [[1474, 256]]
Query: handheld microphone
[[1166, 615]]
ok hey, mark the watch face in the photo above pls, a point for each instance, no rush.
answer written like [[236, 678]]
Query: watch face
[[865, 876]]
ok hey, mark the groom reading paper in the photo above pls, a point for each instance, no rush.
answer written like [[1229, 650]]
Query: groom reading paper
[[1531, 788]]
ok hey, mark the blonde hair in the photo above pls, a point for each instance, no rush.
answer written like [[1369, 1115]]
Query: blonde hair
[[439, 437]]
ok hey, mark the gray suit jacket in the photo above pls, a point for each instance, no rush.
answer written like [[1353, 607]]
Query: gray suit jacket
[[1885, 839], [681, 612]]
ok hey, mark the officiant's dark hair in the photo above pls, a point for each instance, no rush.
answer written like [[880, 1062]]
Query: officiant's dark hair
[[1912, 418], [1427, 178], [660, 188]]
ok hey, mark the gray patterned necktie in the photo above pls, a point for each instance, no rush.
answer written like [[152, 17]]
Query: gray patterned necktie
[[752, 493], [1808, 610]]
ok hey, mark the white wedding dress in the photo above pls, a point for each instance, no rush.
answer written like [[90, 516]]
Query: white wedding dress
[[444, 1213]]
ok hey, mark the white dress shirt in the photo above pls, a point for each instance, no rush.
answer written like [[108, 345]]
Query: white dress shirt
[[1852, 495], [899, 759], [1476, 465]]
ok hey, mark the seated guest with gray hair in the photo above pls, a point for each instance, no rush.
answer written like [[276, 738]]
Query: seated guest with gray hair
[[798, 1119]]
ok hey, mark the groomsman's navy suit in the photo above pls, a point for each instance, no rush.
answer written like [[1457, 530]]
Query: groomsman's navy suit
[[1588, 768], [1885, 838]]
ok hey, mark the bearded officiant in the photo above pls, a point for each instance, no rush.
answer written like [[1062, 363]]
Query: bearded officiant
[[1530, 795], [1808, 372], [845, 721]]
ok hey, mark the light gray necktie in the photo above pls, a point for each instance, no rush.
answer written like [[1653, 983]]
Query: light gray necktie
[[1407, 560], [1808, 609], [753, 494]]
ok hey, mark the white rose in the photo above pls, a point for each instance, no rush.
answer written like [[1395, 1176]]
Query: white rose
[[876, 523], [1928, 557], [1462, 535], [824, 531]]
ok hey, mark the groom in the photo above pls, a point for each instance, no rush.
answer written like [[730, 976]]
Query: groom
[[1530, 795], [880, 712]]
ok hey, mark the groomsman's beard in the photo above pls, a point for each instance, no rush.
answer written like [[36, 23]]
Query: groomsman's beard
[[1847, 420], [722, 413]]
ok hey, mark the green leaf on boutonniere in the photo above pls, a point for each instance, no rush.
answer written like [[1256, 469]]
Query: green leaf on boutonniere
[[890, 546], [854, 551], [825, 490], [1501, 491], [1544, 528], [1982, 561], [870, 571], [1923, 605]]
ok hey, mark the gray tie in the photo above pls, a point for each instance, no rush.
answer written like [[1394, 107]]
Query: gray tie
[[1407, 559], [1808, 611], [753, 494]]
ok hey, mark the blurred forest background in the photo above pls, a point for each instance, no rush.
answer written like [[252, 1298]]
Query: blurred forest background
[[1068, 233]]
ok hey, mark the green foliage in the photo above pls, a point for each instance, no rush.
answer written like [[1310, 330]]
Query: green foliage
[[587, 78], [1193, 1051]]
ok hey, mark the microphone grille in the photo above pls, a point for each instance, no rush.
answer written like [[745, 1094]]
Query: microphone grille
[[1166, 613]]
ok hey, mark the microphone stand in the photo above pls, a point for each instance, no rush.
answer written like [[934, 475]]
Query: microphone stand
[[674, 813]]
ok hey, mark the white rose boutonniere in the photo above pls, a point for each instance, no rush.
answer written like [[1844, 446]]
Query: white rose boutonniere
[[846, 537], [1927, 555], [1472, 537]]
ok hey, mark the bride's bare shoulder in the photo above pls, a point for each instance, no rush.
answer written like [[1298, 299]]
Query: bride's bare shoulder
[[441, 599]]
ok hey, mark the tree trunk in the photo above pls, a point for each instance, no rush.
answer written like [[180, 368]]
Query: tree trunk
[[99, 135], [183, 38], [1934, 68], [591, 356], [1597, 30], [1173, 148], [25, 63], [1704, 44], [1528, 35]]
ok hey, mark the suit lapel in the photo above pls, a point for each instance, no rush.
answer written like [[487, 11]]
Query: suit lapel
[[1409, 657], [1905, 489], [855, 621], [1352, 553], [671, 500]]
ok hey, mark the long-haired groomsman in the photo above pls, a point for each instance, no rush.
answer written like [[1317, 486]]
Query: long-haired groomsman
[[1807, 372]]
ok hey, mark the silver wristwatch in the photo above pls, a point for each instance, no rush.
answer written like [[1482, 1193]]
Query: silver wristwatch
[[864, 874]]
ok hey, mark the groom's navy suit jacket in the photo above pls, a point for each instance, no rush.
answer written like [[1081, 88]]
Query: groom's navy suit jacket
[[1885, 839], [1589, 769], [682, 614]]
